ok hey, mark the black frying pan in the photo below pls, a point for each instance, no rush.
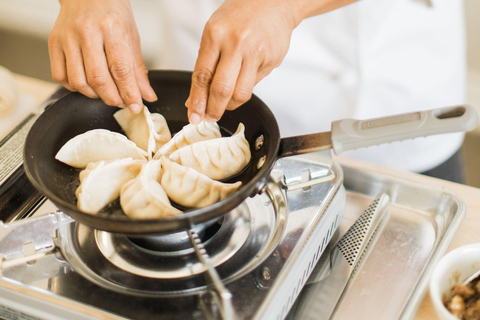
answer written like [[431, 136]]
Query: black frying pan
[[75, 114]]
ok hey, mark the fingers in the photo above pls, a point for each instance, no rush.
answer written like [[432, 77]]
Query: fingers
[[227, 87], [76, 72], [58, 62], [245, 83], [82, 66], [202, 78], [223, 86], [100, 58], [141, 75], [141, 71], [119, 59], [219, 83], [98, 75]]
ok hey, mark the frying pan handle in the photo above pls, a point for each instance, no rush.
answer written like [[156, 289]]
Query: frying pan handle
[[350, 134]]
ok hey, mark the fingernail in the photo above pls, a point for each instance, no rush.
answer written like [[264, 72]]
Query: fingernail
[[195, 118], [135, 108], [152, 96]]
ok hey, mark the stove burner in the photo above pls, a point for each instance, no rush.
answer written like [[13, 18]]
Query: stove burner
[[168, 265], [176, 241], [171, 264]]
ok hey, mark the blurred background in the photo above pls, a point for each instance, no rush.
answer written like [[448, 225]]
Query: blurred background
[[25, 25]]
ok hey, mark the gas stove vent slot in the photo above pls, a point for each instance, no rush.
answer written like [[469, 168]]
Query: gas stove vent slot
[[308, 270]]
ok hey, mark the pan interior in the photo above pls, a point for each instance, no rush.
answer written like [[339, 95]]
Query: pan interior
[[75, 114]]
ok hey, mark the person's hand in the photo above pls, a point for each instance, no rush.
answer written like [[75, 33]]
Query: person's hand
[[243, 41], [94, 49]]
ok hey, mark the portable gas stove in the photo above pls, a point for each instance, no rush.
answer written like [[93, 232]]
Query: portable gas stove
[[250, 264]]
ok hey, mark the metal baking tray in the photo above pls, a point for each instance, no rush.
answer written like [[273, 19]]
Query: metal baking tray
[[393, 278]]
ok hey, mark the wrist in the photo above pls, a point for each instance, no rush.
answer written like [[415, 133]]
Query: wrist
[[302, 9]]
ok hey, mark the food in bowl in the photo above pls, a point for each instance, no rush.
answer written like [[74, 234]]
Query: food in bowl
[[464, 301]]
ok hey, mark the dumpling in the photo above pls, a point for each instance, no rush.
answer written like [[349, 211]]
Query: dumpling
[[148, 131], [100, 182], [161, 131], [96, 145], [190, 134], [191, 188], [219, 158], [144, 197]]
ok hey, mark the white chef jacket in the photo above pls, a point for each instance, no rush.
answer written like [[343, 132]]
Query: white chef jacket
[[369, 59]]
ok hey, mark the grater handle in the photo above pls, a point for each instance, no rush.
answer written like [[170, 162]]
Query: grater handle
[[350, 134]]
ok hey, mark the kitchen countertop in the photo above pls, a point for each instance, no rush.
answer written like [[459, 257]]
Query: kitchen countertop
[[467, 233]]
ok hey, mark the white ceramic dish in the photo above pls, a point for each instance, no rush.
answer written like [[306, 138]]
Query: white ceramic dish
[[455, 267]]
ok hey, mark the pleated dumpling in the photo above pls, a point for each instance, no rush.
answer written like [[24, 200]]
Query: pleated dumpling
[[161, 131], [148, 131], [190, 134], [190, 188], [144, 197], [97, 145], [219, 158], [100, 182]]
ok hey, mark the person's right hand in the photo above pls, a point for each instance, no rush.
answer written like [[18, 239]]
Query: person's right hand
[[243, 41], [94, 49]]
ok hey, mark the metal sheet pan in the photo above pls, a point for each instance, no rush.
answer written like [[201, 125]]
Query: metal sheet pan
[[393, 278]]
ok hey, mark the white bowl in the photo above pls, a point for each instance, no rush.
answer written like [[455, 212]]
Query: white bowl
[[453, 268]]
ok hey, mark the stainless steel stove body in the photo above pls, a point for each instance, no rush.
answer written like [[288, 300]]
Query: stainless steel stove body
[[251, 264]]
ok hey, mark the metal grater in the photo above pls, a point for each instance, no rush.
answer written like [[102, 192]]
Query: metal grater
[[344, 258], [359, 234]]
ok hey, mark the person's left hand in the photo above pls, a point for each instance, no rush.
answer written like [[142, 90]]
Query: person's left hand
[[243, 41]]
